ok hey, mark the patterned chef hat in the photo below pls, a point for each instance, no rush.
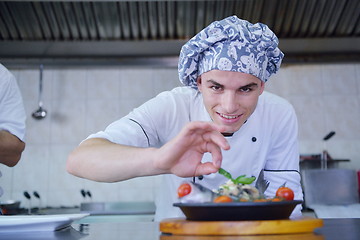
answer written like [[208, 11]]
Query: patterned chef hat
[[231, 44]]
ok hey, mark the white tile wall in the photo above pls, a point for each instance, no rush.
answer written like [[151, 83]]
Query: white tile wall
[[326, 98], [81, 101]]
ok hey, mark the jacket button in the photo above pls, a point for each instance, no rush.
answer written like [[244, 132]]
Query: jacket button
[[253, 139]]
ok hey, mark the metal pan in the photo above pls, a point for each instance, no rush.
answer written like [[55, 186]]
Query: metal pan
[[235, 211], [10, 207]]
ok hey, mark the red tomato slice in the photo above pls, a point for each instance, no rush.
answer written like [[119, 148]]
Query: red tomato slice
[[222, 198], [183, 190]]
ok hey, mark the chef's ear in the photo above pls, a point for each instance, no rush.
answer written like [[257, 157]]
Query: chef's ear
[[262, 87], [199, 82]]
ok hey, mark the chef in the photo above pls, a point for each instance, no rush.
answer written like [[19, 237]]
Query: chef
[[222, 117]]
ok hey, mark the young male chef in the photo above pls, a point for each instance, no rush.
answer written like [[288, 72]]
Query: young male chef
[[221, 118]]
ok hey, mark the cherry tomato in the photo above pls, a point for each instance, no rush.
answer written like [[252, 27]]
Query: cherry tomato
[[285, 193], [222, 198], [183, 190]]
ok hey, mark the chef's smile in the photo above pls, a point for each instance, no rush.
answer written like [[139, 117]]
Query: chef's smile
[[230, 98], [227, 119]]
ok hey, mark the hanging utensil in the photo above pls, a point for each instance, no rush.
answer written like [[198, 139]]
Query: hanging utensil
[[37, 195], [40, 113], [27, 195], [329, 135], [324, 155]]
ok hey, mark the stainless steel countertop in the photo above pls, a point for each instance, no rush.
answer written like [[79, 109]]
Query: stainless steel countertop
[[125, 227]]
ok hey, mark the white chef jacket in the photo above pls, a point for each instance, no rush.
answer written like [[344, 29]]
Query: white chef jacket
[[12, 112], [268, 140]]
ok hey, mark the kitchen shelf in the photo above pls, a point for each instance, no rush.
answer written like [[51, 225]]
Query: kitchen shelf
[[309, 161]]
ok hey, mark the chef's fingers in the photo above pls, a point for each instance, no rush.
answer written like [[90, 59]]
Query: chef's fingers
[[205, 169], [216, 138], [216, 154], [209, 132], [206, 126]]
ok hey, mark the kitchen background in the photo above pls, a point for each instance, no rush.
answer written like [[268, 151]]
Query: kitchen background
[[81, 101], [103, 58]]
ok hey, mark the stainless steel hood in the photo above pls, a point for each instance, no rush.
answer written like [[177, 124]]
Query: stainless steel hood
[[131, 32]]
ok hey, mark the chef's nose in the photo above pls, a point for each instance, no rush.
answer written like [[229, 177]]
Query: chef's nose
[[229, 102]]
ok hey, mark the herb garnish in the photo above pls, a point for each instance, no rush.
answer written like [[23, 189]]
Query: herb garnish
[[242, 179]]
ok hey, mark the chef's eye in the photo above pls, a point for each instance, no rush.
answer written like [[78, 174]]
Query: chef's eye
[[216, 88], [245, 89]]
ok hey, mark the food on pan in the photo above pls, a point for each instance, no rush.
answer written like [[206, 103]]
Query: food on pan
[[238, 192], [285, 193], [223, 198], [234, 190], [242, 179], [195, 193], [184, 190]]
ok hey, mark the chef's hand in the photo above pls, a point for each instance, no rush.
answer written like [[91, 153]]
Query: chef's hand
[[182, 155]]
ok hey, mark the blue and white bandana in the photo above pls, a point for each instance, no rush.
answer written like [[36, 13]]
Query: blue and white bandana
[[231, 44]]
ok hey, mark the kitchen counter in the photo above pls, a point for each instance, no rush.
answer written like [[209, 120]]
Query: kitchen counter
[[95, 208], [315, 161], [136, 228]]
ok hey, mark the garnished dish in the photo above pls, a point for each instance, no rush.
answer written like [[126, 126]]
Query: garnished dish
[[234, 190], [236, 199]]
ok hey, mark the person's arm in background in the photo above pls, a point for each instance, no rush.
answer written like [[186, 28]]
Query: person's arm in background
[[12, 119], [10, 148]]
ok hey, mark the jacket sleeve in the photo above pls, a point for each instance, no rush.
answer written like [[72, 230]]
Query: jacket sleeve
[[12, 112]]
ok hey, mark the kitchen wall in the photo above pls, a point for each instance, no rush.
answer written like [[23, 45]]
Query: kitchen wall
[[81, 101]]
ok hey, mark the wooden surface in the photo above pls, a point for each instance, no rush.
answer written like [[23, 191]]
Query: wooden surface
[[297, 236], [285, 226]]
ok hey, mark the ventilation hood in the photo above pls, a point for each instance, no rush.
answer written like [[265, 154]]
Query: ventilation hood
[[152, 32]]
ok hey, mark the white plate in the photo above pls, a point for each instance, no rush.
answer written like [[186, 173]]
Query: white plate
[[36, 223]]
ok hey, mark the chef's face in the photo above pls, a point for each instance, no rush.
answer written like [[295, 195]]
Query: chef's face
[[230, 97]]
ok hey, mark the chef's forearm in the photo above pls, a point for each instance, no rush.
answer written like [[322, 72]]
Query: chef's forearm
[[11, 148], [101, 160]]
